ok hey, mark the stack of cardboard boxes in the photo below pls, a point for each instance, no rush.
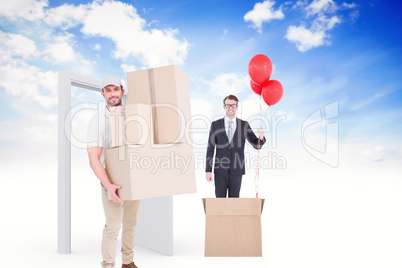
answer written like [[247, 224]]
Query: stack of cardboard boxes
[[150, 155]]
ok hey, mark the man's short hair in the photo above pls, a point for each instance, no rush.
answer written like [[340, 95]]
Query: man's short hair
[[230, 97]]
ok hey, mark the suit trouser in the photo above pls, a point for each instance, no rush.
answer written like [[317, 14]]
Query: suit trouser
[[227, 183], [117, 214]]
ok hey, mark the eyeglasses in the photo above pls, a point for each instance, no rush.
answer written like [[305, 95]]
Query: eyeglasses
[[227, 106]]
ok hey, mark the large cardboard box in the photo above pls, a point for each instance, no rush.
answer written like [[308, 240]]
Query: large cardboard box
[[147, 171], [233, 227], [130, 124], [167, 89]]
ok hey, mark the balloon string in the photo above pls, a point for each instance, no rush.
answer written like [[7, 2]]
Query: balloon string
[[257, 171]]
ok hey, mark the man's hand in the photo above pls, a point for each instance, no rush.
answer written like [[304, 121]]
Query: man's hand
[[94, 153], [209, 176], [112, 190], [260, 133]]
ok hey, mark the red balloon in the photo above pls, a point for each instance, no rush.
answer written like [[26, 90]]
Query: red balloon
[[272, 92], [260, 68], [255, 87]]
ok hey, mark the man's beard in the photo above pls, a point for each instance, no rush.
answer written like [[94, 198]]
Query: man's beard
[[113, 104]]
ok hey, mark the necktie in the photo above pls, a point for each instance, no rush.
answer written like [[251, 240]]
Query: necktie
[[230, 131]]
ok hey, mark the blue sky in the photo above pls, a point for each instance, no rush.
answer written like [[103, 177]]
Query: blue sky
[[322, 50]]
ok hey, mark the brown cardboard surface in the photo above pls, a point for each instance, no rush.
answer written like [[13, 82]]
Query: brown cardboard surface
[[130, 124], [167, 90], [233, 206], [132, 168], [233, 227]]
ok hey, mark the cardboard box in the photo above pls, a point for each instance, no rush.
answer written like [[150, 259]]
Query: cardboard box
[[233, 227], [167, 90], [151, 170], [130, 124]]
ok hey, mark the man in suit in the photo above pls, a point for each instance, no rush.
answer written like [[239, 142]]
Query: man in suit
[[228, 135]]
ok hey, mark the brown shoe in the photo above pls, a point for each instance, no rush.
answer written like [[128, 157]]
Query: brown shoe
[[130, 265]]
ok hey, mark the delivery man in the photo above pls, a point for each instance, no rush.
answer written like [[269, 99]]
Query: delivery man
[[117, 212]]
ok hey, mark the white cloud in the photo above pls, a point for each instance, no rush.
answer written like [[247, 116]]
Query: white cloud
[[127, 29], [354, 15], [201, 107], [65, 16], [290, 116], [263, 12], [30, 10], [16, 45], [32, 127], [319, 6], [84, 66], [128, 67], [348, 6], [325, 6], [300, 3], [322, 23], [317, 35], [202, 112], [229, 83], [147, 10], [97, 47], [60, 51], [131, 33], [251, 106], [29, 83], [306, 39], [21, 79]]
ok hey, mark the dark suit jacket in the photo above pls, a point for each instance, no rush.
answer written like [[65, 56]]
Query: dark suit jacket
[[229, 156]]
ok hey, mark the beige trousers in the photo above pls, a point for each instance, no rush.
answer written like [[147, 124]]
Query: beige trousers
[[118, 214]]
